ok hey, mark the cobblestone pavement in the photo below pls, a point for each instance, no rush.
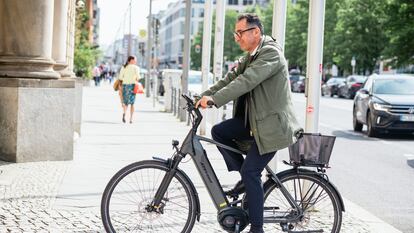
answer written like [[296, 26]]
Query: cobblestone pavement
[[47, 196], [26, 205]]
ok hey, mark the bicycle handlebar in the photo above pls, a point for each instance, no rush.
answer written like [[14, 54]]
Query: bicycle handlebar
[[191, 107]]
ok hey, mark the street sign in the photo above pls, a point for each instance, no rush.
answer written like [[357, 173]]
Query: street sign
[[142, 33]]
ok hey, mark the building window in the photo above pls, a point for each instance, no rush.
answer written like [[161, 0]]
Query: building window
[[234, 2], [247, 2], [182, 28], [181, 45]]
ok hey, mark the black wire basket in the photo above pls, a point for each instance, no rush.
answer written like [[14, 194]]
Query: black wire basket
[[312, 150]]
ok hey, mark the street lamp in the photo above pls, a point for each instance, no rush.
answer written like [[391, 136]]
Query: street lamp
[[353, 63]]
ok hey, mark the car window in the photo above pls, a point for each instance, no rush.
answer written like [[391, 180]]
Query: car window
[[394, 86], [368, 84], [337, 80], [294, 78], [330, 81]]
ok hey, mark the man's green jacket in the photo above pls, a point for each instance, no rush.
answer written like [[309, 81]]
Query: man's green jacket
[[265, 77]]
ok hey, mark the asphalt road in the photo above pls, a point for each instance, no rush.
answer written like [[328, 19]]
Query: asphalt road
[[372, 172]]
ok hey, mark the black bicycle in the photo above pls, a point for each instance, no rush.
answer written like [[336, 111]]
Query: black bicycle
[[156, 196]]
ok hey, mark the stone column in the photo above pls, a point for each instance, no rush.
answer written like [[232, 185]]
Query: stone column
[[70, 41], [60, 36], [36, 106], [70, 48], [26, 31]]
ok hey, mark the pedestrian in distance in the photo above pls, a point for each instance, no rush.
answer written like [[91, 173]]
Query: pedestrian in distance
[[96, 72], [129, 75], [263, 117]]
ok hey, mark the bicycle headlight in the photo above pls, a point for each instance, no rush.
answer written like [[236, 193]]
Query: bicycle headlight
[[381, 107]]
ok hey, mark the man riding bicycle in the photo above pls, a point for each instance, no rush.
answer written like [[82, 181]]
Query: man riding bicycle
[[263, 117]]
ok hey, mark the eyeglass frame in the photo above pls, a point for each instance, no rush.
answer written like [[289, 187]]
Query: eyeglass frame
[[239, 34]]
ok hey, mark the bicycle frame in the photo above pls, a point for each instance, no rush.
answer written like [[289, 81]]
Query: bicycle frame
[[192, 146]]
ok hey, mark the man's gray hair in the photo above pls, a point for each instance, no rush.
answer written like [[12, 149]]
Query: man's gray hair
[[252, 20]]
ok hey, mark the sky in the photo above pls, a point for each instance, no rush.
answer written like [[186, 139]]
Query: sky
[[114, 19]]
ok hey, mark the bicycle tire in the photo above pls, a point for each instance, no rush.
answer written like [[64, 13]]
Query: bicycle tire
[[315, 216], [119, 211]]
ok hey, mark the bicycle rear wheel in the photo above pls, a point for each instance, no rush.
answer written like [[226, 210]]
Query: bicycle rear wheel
[[125, 201], [320, 203]]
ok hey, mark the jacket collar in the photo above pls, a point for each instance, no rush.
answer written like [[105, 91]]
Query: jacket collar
[[265, 39]]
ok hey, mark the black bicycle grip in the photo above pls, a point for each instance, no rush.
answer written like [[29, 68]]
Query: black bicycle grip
[[210, 103]]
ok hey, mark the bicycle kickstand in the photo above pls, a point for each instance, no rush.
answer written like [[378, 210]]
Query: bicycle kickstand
[[237, 227]]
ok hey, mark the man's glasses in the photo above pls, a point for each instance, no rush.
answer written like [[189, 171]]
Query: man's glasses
[[239, 34]]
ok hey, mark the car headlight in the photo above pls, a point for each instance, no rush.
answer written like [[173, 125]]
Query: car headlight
[[381, 107]]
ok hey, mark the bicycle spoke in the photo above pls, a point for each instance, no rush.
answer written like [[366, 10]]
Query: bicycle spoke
[[130, 205], [319, 213]]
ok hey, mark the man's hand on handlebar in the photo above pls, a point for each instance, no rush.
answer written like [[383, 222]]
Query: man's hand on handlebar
[[205, 102]]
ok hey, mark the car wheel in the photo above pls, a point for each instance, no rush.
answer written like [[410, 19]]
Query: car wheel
[[357, 125], [371, 132]]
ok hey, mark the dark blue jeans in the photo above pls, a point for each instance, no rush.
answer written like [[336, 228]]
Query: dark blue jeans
[[250, 168]]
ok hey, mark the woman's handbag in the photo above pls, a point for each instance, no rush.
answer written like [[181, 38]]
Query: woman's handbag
[[117, 84], [138, 88]]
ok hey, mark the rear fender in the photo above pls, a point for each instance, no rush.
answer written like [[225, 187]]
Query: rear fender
[[304, 171]]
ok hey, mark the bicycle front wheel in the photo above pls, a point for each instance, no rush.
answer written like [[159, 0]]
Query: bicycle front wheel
[[125, 201], [321, 206]]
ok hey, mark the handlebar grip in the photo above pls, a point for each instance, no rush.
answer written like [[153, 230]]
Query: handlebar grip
[[210, 103]]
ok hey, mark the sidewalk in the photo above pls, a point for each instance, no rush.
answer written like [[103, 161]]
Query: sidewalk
[[65, 196]]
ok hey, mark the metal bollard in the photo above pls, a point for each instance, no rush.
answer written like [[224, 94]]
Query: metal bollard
[[171, 100], [174, 101], [179, 104]]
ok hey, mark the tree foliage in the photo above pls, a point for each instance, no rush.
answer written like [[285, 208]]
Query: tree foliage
[[359, 33], [231, 50], [85, 55], [399, 29], [369, 30]]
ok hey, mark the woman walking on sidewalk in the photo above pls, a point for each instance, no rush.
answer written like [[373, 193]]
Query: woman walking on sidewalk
[[129, 76]]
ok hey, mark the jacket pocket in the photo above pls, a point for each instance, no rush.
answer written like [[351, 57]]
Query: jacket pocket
[[271, 129]]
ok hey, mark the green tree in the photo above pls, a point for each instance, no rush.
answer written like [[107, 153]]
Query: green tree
[[400, 31], [359, 33], [231, 49], [331, 19], [85, 55], [297, 34]]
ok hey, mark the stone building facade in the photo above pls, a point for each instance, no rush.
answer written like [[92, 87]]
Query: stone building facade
[[40, 99]]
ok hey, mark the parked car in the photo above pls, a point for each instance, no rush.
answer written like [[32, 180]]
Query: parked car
[[299, 85], [293, 78], [330, 88], [351, 85], [195, 82], [385, 103]]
